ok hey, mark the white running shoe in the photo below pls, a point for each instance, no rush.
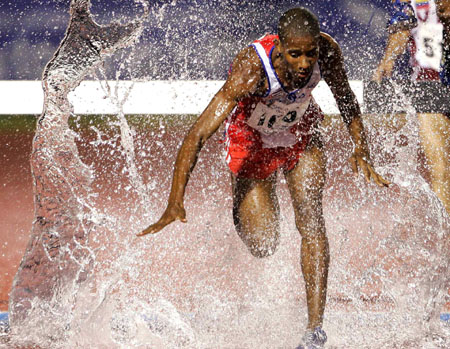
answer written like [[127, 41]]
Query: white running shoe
[[313, 339]]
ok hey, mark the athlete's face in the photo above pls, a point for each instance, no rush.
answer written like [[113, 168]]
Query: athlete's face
[[300, 55]]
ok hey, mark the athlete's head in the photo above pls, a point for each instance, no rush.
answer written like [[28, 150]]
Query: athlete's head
[[299, 33], [298, 22]]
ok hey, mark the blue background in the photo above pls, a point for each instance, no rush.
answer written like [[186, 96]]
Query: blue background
[[194, 39]]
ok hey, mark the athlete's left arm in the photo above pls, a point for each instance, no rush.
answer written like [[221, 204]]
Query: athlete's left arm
[[331, 64]]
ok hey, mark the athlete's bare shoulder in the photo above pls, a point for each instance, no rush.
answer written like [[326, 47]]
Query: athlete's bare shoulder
[[247, 72], [248, 59], [329, 50], [331, 63]]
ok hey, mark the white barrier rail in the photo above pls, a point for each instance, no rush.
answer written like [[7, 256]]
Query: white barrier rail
[[149, 97]]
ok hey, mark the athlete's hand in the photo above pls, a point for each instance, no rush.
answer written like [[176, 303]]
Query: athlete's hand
[[360, 160], [172, 213]]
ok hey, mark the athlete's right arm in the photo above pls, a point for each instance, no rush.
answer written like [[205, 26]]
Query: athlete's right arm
[[244, 79], [396, 45], [402, 21]]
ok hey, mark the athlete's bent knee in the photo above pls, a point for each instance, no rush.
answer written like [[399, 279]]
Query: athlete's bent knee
[[261, 249]]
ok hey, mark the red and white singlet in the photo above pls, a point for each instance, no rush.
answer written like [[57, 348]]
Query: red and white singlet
[[264, 133]]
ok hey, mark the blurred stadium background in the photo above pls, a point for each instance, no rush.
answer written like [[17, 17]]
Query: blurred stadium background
[[188, 39]]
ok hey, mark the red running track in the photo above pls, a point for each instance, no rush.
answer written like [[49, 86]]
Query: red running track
[[16, 198]]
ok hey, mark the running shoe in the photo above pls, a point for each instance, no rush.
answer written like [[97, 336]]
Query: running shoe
[[313, 339]]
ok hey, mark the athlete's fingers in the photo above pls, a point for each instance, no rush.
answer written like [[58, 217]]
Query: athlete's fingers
[[364, 167], [374, 175], [353, 164], [380, 181], [158, 226], [385, 182], [161, 224], [153, 229]]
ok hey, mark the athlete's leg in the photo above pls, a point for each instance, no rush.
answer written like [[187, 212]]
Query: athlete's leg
[[434, 131], [306, 182], [255, 214]]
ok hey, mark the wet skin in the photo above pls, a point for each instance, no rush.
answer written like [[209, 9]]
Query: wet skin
[[294, 60], [255, 205]]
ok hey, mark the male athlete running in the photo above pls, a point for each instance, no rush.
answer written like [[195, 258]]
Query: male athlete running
[[272, 125], [424, 27]]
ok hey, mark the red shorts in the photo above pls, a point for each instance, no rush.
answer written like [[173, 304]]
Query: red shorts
[[426, 74], [246, 156]]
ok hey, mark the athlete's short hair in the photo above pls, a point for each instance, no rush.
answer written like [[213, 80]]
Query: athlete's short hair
[[298, 22]]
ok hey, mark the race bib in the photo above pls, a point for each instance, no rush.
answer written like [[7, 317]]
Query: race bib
[[277, 117], [428, 38]]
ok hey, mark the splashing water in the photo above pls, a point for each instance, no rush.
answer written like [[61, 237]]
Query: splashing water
[[58, 256], [403, 264], [86, 281]]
